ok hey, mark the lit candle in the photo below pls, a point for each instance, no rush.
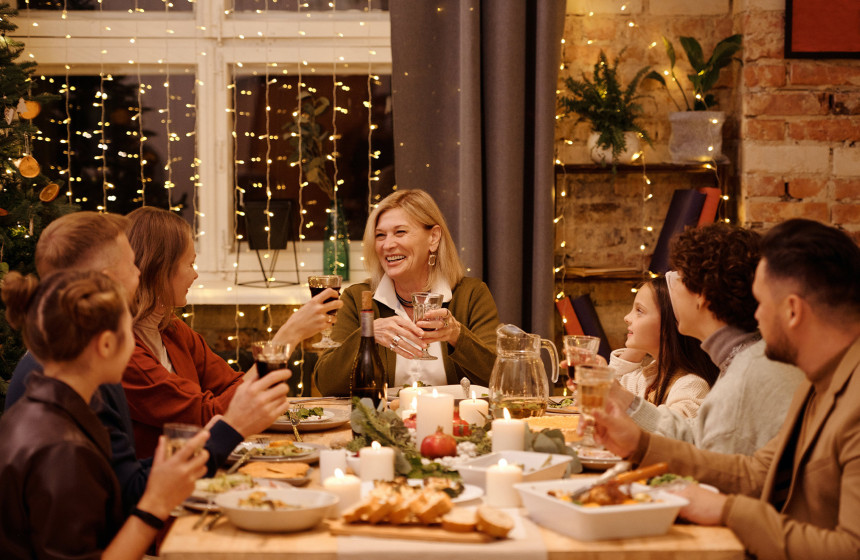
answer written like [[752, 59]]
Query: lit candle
[[508, 434], [376, 462], [346, 487], [434, 410], [409, 394], [407, 412], [500, 485], [331, 459], [474, 411]]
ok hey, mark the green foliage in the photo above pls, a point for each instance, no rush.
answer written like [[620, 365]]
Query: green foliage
[[611, 108], [24, 215], [307, 138], [705, 73]]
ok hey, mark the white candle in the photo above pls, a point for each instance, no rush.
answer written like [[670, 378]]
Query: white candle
[[434, 410], [500, 485], [376, 462], [474, 411], [409, 394], [331, 459], [346, 487], [508, 434]]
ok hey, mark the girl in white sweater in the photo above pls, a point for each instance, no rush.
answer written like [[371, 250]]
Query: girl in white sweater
[[659, 364]]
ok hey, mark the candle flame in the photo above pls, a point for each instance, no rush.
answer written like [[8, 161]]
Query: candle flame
[[502, 462], [414, 403], [473, 395], [507, 414], [338, 473], [414, 384], [375, 445], [435, 393]]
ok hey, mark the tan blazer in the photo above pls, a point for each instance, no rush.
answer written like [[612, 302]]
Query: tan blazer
[[821, 517]]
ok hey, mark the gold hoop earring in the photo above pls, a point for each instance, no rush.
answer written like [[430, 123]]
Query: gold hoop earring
[[432, 260]]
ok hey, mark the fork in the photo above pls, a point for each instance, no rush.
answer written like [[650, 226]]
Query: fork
[[294, 420]]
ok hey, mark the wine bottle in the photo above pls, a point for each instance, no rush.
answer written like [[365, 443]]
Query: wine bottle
[[367, 379]]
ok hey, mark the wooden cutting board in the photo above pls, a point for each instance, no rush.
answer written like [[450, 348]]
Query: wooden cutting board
[[408, 532]]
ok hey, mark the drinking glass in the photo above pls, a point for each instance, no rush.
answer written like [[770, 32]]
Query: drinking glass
[[422, 302], [594, 383], [269, 356], [578, 350], [178, 435], [317, 284]]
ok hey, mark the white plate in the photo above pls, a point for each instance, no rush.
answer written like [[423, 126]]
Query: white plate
[[331, 418], [571, 409], [597, 459], [312, 455], [456, 390], [469, 492]]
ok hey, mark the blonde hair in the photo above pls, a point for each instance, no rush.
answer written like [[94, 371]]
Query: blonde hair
[[421, 208], [159, 238], [74, 239]]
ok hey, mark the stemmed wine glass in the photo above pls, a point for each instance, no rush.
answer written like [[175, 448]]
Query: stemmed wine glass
[[578, 350], [594, 384], [422, 302], [317, 284]]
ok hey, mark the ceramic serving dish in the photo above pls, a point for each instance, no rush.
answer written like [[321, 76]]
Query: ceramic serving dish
[[304, 509]]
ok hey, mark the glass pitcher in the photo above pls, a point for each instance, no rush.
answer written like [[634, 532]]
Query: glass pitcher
[[519, 381]]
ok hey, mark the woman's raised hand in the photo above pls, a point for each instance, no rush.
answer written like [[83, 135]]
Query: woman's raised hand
[[172, 478], [309, 319], [399, 335], [447, 328]]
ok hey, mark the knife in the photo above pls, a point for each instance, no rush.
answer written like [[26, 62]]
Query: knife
[[619, 468]]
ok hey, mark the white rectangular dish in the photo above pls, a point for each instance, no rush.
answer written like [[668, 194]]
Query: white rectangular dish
[[536, 466], [598, 523]]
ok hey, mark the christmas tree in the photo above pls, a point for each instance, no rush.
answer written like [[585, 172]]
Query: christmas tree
[[29, 200]]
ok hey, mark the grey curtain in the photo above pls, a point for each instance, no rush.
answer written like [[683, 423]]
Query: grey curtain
[[474, 110]]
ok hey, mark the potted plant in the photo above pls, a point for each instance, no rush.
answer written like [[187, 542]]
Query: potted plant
[[697, 127], [611, 109], [307, 138]]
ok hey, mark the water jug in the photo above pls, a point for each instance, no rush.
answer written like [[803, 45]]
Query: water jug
[[519, 382]]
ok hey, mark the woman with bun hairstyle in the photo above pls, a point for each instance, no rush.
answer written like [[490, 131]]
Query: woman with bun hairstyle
[[60, 496]]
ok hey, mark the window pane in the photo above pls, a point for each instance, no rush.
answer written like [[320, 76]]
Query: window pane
[[352, 145], [122, 184], [309, 5], [108, 5]]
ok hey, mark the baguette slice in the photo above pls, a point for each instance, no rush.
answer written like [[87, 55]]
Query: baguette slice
[[494, 522], [430, 506], [460, 520], [356, 512]]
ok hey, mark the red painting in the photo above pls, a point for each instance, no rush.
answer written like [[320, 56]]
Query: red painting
[[822, 29]]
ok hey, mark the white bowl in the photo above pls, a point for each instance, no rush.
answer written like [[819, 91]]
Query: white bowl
[[598, 523], [536, 466], [313, 507]]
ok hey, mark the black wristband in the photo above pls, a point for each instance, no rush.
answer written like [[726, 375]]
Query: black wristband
[[148, 518]]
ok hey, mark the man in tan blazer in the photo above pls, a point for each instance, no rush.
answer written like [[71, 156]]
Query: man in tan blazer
[[799, 495]]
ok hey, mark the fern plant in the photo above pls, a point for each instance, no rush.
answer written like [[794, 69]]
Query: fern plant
[[611, 108]]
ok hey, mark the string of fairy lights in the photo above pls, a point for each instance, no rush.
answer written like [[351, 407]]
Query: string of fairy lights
[[566, 200]]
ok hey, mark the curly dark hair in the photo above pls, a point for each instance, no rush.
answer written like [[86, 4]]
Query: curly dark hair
[[718, 261]]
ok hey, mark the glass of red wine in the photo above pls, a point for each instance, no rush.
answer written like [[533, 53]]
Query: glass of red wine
[[269, 356], [422, 302], [317, 285]]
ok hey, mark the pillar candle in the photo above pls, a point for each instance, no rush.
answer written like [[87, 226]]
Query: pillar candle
[[508, 434], [408, 395], [346, 487], [376, 462], [434, 410], [500, 485], [331, 459], [474, 411]]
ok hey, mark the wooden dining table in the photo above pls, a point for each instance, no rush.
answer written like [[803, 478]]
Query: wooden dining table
[[224, 541]]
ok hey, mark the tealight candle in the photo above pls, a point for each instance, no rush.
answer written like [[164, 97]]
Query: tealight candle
[[346, 487], [474, 411], [376, 462], [508, 434], [408, 395], [434, 410], [500, 485]]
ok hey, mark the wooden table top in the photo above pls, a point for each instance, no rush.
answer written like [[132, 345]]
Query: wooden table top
[[224, 541]]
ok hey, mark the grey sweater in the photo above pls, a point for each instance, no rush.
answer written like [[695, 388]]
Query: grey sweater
[[746, 406]]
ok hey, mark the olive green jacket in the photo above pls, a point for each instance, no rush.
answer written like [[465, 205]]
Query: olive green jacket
[[473, 357]]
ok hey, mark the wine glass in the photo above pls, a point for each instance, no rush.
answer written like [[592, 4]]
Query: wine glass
[[422, 302], [594, 383], [579, 349], [269, 356], [317, 284]]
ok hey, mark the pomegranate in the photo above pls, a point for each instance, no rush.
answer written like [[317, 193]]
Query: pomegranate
[[461, 427], [410, 422], [438, 445]]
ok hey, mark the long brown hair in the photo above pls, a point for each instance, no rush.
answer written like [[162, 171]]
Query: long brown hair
[[420, 207], [75, 238], [679, 354], [61, 314], [159, 238]]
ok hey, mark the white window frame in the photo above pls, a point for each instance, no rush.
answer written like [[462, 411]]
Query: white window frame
[[211, 42]]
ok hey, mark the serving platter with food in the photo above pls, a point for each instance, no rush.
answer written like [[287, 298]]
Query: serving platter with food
[[562, 405], [313, 419], [279, 450], [278, 510], [458, 492]]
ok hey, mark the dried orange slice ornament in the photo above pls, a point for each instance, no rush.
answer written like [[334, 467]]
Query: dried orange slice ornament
[[50, 192], [31, 110], [28, 167]]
